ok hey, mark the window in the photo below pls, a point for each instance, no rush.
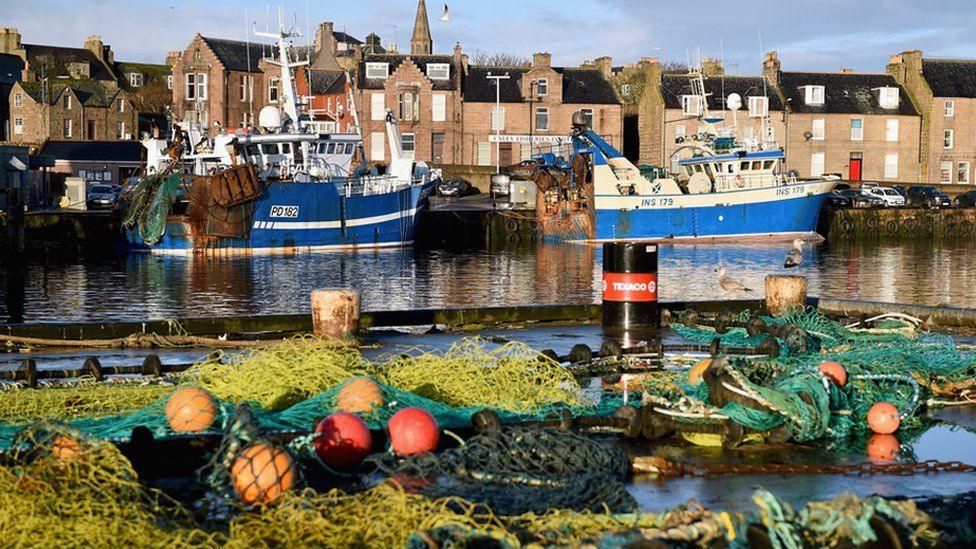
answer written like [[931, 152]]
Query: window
[[818, 129], [409, 144], [67, 100], [814, 95], [542, 119], [377, 147], [409, 106], [169, 81], [542, 86], [625, 90], [888, 98], [439, 71], [587, 117], [891, 166], [758, 107], [816, 164], [948, 138], [497, 118], [438, 106], [196, 86], [770, 134], [484, 153], [962, 172], [679, 132], [945, 172], [135, 80], [377, 70], [190, 91], [247, 88], [857, 129], [377, 106], [120, 130], [66, 128], [891, 129], [690, 105], [950, 108], [18, 125], [120, 105], [273, 84], [18, 100]]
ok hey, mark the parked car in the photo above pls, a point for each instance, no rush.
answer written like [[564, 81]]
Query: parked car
[[456, 188], [861, 199], [966, 200], [890, 196], [869, 185], [900, 189], [927, 196], [836, 200], [841, 186], [102, 196], [501, 184]]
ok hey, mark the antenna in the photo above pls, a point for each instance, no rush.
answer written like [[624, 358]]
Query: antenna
[[721, 59], [248, 79], [762, 121]]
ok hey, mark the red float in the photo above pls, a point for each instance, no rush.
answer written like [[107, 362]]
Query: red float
[[834, 372], [883, 448], [343, 440], [413, 431], [883, 418]]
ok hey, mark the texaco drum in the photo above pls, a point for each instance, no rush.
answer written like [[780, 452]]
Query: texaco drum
[[630, 286]]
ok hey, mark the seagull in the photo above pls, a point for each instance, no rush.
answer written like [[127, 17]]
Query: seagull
[[795, 257], [447, 14], [730, 284]]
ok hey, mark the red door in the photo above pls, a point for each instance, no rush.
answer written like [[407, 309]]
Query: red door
[[855, 169]]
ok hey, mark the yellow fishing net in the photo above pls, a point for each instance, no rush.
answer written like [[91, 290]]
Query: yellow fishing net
[[78, 401]]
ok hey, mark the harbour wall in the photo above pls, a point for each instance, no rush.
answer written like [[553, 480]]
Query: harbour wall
[[908, 223]]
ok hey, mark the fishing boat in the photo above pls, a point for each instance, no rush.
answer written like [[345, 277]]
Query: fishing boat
[[279, 188], [717, 188]]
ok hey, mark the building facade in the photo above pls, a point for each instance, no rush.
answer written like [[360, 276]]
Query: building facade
[[75, 110], [509, 113]]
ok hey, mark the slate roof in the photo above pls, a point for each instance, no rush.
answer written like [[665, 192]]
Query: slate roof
[[10, 68], [673, 86], [95, 151], [90, 93], [950, 77], [579, 85], [343, 37], [37, 53], [326, 82], [233, 54], [844, 93], [395, 60]]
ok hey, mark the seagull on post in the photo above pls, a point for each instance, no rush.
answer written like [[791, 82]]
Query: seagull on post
[[795, 257], [730, 284]]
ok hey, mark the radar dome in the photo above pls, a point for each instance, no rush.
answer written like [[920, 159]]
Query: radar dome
[[734, 101], [270, 118]]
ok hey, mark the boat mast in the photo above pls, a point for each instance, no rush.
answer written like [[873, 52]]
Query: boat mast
[[289, 93]]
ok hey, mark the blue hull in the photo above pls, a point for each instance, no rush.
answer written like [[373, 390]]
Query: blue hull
[[293, 216], [777, 217]]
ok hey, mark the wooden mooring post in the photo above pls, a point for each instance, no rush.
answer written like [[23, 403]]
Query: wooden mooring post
[[335, 313], [785, 293]]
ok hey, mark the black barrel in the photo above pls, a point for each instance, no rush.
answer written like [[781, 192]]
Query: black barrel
[[630, 286]]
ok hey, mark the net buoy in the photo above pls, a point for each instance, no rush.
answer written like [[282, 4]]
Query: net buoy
[[696, 372], [883, 448], [65, 448], [883, 418], [359, 395], [190, 410], [262, 473], [413, 431], [343, 440], [834, 372]]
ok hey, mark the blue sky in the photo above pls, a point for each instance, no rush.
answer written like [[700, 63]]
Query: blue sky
[[808, 34]]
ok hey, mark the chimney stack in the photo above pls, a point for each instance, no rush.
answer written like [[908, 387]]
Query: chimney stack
[[541, 60], [846, 71], [172, 57], [95, 45], [10, 41], [324, 38], [604, 65]]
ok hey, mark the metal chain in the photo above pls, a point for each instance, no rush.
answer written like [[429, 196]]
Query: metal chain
[[664, 467]]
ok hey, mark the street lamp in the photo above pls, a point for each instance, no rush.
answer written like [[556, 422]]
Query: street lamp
[[498, 127]]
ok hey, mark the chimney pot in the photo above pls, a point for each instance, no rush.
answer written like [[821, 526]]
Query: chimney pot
[[541, 60]]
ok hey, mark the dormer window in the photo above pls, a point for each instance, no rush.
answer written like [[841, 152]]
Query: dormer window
[[67, 101], [135, 80], [378, 70], [439, 71], [758, 107], [690, 105], [888, 98], [813, 95]]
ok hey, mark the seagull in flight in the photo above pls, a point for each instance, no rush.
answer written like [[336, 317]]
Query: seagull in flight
[[447, 14], [795, 257], [730, 284]]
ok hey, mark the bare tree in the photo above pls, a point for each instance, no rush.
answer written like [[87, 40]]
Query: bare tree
[[153, 98], [497, 59]]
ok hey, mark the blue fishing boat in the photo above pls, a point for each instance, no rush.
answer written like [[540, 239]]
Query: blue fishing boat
[[717, 188], [280, 188]]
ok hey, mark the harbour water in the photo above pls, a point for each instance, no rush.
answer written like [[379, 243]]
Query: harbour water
[[150, 287]]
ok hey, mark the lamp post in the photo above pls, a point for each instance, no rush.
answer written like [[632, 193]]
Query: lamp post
[[497, 127]]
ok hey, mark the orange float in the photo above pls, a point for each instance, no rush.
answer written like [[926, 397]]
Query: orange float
[[696, 372], [413, 431], [65, 448], [359, 395], [883, 448], [834, 372], [190, 410], [262, 473], [883, 418]]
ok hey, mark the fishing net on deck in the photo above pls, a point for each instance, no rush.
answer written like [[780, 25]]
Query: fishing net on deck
[[150, 204]]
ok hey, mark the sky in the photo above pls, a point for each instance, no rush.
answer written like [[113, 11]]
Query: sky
[[807, 34]]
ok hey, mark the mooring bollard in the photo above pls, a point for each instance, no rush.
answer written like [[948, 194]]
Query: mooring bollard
[[335, 313], [785, 293], [630, 286]]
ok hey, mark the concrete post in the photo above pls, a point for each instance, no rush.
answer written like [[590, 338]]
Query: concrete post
[[335, 313], [785, 293]]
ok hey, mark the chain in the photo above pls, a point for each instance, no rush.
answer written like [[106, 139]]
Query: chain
[[664, 467]]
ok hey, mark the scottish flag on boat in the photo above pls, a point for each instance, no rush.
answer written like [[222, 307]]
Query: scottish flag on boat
[[716, 188]]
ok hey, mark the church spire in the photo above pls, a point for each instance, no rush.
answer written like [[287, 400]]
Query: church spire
[[421, 43]]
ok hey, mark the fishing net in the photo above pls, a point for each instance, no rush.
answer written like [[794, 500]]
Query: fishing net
[[150, 205]]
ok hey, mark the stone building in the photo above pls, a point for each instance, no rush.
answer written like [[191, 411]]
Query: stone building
[[535, 109], [328, 91], [944, 93], [859, 126], [11, 67]]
